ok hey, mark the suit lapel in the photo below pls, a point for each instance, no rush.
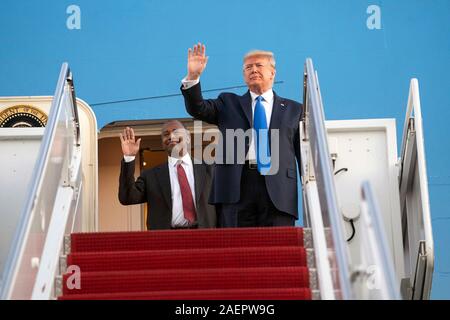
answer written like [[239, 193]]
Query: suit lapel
[[199, 179], [162, 174], [277, 114], [246, 105], [277, 111]]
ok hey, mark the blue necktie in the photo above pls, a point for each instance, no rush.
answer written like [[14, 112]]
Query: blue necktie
[[262, 137]]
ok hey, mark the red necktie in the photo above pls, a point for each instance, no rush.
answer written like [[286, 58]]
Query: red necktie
[[186, 195]]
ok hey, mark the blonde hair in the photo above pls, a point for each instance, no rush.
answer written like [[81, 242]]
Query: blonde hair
[[261, 53]]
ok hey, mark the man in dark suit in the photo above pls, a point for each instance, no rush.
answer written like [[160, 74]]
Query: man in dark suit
[[251, 192], [176, 191]]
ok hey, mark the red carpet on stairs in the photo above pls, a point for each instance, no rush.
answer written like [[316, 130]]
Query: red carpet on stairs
[[201, 264], [222, 294]]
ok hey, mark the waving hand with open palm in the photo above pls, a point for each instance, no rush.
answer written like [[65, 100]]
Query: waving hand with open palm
[[197, 61], [130, 147]]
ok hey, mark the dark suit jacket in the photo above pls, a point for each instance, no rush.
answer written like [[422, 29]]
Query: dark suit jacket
[[230, 111], [153, 187]]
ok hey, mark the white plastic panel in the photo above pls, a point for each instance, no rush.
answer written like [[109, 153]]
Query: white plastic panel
[[368, 149], [19, 149], [89, 150]]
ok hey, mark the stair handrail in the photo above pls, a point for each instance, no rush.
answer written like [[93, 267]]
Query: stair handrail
[[375, 278], [420, 244], [41, 219], [314, 132]]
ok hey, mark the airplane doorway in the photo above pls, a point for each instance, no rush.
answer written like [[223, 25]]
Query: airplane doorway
[[112, 215]]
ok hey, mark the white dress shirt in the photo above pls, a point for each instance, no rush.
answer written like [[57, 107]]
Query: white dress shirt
[[186, 84], [267, 103], [178, 219]]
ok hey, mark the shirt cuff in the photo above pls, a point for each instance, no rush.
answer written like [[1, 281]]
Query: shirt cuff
[[129, 158], [186, 84]]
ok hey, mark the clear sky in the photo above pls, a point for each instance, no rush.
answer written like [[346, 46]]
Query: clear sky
[[137, 48]]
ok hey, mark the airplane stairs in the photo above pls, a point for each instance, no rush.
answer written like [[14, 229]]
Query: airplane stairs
[[41, 236], [202, 264]]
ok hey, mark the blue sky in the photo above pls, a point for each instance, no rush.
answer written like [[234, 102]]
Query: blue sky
[[137, 48]]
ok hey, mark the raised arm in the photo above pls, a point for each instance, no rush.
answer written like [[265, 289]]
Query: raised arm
[[130, 191], [196, 106]]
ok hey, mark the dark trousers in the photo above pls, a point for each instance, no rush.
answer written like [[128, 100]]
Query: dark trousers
[[254, 209]]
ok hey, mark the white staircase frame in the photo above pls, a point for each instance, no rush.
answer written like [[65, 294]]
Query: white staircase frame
[[53, 203], [416, 216]]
